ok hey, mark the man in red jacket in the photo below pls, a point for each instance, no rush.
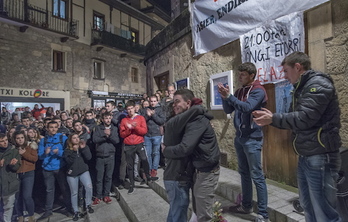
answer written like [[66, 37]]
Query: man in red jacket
[[132, 129]]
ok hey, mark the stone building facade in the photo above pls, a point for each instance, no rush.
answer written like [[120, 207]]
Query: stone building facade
[[326, 29], [96, 56]]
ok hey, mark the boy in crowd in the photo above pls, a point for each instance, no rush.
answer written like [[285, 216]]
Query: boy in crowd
[[51, 149], [105, 136], [9, 183], [132, 129]]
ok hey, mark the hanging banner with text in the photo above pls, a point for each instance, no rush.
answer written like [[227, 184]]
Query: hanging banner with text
[[268, 45], [215, 23]]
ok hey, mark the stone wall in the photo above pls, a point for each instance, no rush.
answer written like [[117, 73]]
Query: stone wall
[[26, 62], [328, 50]]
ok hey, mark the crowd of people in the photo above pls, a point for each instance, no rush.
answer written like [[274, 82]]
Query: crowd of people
[[85, 152]]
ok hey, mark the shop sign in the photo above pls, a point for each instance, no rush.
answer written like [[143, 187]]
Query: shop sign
[[23, 92]]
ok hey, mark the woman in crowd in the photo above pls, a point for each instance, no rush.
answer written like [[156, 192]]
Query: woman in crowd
[[76, 155], [33, 136], [10, 132], [5, 116], [50, 112], [26, 174], [76, 116]]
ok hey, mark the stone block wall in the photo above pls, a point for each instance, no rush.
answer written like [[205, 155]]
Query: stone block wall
[[26, 62], [328, 47]]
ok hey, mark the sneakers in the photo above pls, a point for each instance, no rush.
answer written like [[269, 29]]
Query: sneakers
[[131, 190], [45, 216], [138, 179], [239, 209], [153, 179], [107, 199], [76, 216], [90, 209], [260, 218], [96, 201]]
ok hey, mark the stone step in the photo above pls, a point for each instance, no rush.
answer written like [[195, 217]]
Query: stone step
[[225, 203], [280, 200], [143, 205], [111, 212]]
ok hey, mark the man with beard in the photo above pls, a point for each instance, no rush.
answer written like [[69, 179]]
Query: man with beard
[[105, 136]]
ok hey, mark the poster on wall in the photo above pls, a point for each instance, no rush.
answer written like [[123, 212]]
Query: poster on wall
[[183, 84], [226, 78], [268, 45], [283, 96]]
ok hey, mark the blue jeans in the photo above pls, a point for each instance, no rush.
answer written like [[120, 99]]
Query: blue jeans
[[153, 145], [7, 204], [178, 196], [317, 176], [25, 199], [249, 166], [73, 182], [50, 179]]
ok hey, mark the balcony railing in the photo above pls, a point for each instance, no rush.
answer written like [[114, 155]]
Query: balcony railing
[[116, 41], [21, 11]]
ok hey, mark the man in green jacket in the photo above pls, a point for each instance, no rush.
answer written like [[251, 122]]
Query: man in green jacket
[[9, 164]]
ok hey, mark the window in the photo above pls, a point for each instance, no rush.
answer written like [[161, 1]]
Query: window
[[134, 75], [134, 36], [98, 21], [58, 61], [98, 69], [60, 8]]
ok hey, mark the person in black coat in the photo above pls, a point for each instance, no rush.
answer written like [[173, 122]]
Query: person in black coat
[[76, 155]]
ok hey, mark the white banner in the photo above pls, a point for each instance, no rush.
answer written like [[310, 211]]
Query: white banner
[[218, 22], [268, 45]]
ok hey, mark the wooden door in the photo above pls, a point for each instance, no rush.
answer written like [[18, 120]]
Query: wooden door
[[279, 159]]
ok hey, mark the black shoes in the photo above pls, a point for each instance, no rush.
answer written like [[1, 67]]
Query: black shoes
[[240, 209], [76, 216], [131, 190], [138, 179], [45, 216], [90, 209]]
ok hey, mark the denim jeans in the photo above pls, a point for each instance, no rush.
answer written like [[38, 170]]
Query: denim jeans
[[73, 182], [317, 176], [205, 184], [8, 204], [105, 168], [153, 145], [249, 167], [25, 198], [50, 179], [178, 196]]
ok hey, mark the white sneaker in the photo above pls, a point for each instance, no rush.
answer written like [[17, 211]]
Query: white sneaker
[[260, 218]]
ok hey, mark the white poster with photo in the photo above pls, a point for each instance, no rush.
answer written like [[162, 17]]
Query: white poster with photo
[[215, 23], [268, 45]]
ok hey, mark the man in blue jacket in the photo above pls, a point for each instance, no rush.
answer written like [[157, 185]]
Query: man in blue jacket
[[51, 149], [248, 141]]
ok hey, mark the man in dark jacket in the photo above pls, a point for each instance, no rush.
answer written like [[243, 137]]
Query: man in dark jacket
[[120, 157], [9, 183], [105, 136], [248, 141], [155, 118], [314, 119], [198, 140]]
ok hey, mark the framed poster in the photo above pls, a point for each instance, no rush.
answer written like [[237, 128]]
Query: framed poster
[[226, 78], [183, 84]]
